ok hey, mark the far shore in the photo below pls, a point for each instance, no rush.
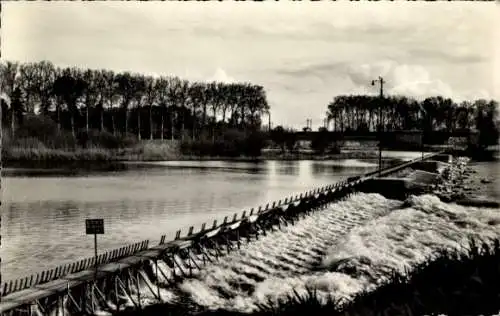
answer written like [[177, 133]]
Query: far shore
[[82, 163], [26, 161]]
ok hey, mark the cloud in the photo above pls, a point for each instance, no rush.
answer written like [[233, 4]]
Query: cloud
[[313, 69], [454, 55], [221, 76], [403, 79]]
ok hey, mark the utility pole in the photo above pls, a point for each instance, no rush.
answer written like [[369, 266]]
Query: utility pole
[[424, 114], [381, 81], [269, 119]]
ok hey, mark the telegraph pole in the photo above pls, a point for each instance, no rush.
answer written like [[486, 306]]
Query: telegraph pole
[[381, 81], [269, 118]]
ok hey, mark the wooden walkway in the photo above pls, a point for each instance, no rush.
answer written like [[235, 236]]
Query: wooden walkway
[[62, 285]]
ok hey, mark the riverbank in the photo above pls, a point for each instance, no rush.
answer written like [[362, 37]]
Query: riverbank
[[98, 159]]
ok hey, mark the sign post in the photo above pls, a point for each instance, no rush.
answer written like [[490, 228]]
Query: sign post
[[94, 227]]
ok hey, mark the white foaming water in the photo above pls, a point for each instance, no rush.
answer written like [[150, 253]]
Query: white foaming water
[[369, 234], [408, 236], [285, 260]]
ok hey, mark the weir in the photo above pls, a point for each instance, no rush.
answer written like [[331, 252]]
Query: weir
[[122, 273]]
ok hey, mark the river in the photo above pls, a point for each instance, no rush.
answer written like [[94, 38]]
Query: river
[[43, 216]]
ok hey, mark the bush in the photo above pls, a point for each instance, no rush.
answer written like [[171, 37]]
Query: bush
[[37, 126], [231, 143]]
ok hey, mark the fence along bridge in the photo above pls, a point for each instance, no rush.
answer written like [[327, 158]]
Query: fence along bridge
[[79, 288]]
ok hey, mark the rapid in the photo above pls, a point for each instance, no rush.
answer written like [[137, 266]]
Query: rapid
[[346, 248]]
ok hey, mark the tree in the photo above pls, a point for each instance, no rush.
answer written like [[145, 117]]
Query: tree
[[91, 94], [70, 88], [279, 137], [139, 90], [28, 82], [486, 117], [125, 91], [291, 140], [162, 88], [10, 88], [151, 96], [199, 98], [44, 75], [109, 93], [321, 141]]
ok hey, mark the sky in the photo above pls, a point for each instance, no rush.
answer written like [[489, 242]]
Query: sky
[[303, 53]]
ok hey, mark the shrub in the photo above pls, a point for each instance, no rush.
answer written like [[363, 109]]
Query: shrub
[[37, 126], [230, 143]]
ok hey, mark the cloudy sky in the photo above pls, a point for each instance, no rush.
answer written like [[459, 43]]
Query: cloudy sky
[[303, 53]]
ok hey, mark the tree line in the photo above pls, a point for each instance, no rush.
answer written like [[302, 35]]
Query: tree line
[[360, 113], [122, 103]]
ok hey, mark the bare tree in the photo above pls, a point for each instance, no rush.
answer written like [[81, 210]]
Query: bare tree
[[9, 82]]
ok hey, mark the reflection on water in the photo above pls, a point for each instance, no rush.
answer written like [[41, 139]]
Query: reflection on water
[[43, 217], [489, 170]]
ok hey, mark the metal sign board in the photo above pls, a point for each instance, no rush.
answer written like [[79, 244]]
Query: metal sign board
[[94, 226]]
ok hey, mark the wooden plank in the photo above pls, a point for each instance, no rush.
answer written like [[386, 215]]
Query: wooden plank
[[26, 295], [234, 226], [212, 233], [6, 306], [149, 254], [132, 260]]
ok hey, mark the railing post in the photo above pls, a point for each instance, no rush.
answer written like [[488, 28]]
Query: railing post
[[190, 232], [225, 220], [215, 224], [37, 279], [203, 227], [178, 235], [235, 217], [244, 214]]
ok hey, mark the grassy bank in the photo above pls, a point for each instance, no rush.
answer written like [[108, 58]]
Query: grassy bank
[[29, 157], [448, 283], [40, 144]]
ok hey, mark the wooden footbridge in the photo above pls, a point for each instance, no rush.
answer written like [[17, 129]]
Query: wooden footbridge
[[79, 288]]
